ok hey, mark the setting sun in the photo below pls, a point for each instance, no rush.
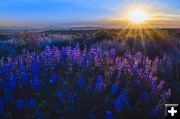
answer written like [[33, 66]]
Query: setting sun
[[138, 16]]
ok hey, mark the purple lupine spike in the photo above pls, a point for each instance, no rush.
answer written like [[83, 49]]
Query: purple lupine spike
[[83, 61], [114, 89], [6, 69], [24, 77], [52, 79], [35, 83], [153, 88], [38, 114], [99, 83], [124, 99], [112, 53], [108, 115], [137, 84], [35, 68], [80, 82], [60, 95], [160, 85], [56, 54], [22, 68], [32, 103], [20, 104], [165, 95], [118, 105], [144, 96], [12, 82]]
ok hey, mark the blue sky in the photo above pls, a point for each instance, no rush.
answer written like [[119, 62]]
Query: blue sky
[[64, 11]]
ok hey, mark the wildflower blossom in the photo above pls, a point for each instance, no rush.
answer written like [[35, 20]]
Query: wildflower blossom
[[20, 104], [80, 82], [144, 96], [24, 77], [114, 89], [38, 70], [123, 98], [52, 79], [99, 83], [12, 82], [108, 115], [60, 95], [32, 103], [39, 114], [118, 104], [35, 83], [35, 67]]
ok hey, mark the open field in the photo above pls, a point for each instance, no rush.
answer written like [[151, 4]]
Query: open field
[[89, 74]]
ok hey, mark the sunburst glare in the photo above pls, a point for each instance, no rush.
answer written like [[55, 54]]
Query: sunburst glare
[[138, 16]]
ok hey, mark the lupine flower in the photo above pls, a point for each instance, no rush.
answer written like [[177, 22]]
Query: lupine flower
[[99, 83], [114, 89], [123, 98], [6, 69], [83, 61], [38, 114], [22, 68], [24, 77], [144, 96], [161, 84], [35, 83], [80, 82], [60, 95], [165, 95], [56, 54], [20, 104], [38, 69], [52, 79], [12, 82], [134, 72], [153, 88], [32, 103], [118, 104], [108, 115], [35, 66], [112, 53], [137, 84]]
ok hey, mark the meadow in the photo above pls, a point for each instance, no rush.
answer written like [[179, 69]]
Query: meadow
[[89, 74]]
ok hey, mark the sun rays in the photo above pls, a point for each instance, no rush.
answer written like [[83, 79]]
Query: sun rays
[[138, 18]]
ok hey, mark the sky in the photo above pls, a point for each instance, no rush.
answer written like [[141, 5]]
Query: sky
[[87, 12]]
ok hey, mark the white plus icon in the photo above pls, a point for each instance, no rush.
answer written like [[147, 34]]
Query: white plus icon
[[172, 111]]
